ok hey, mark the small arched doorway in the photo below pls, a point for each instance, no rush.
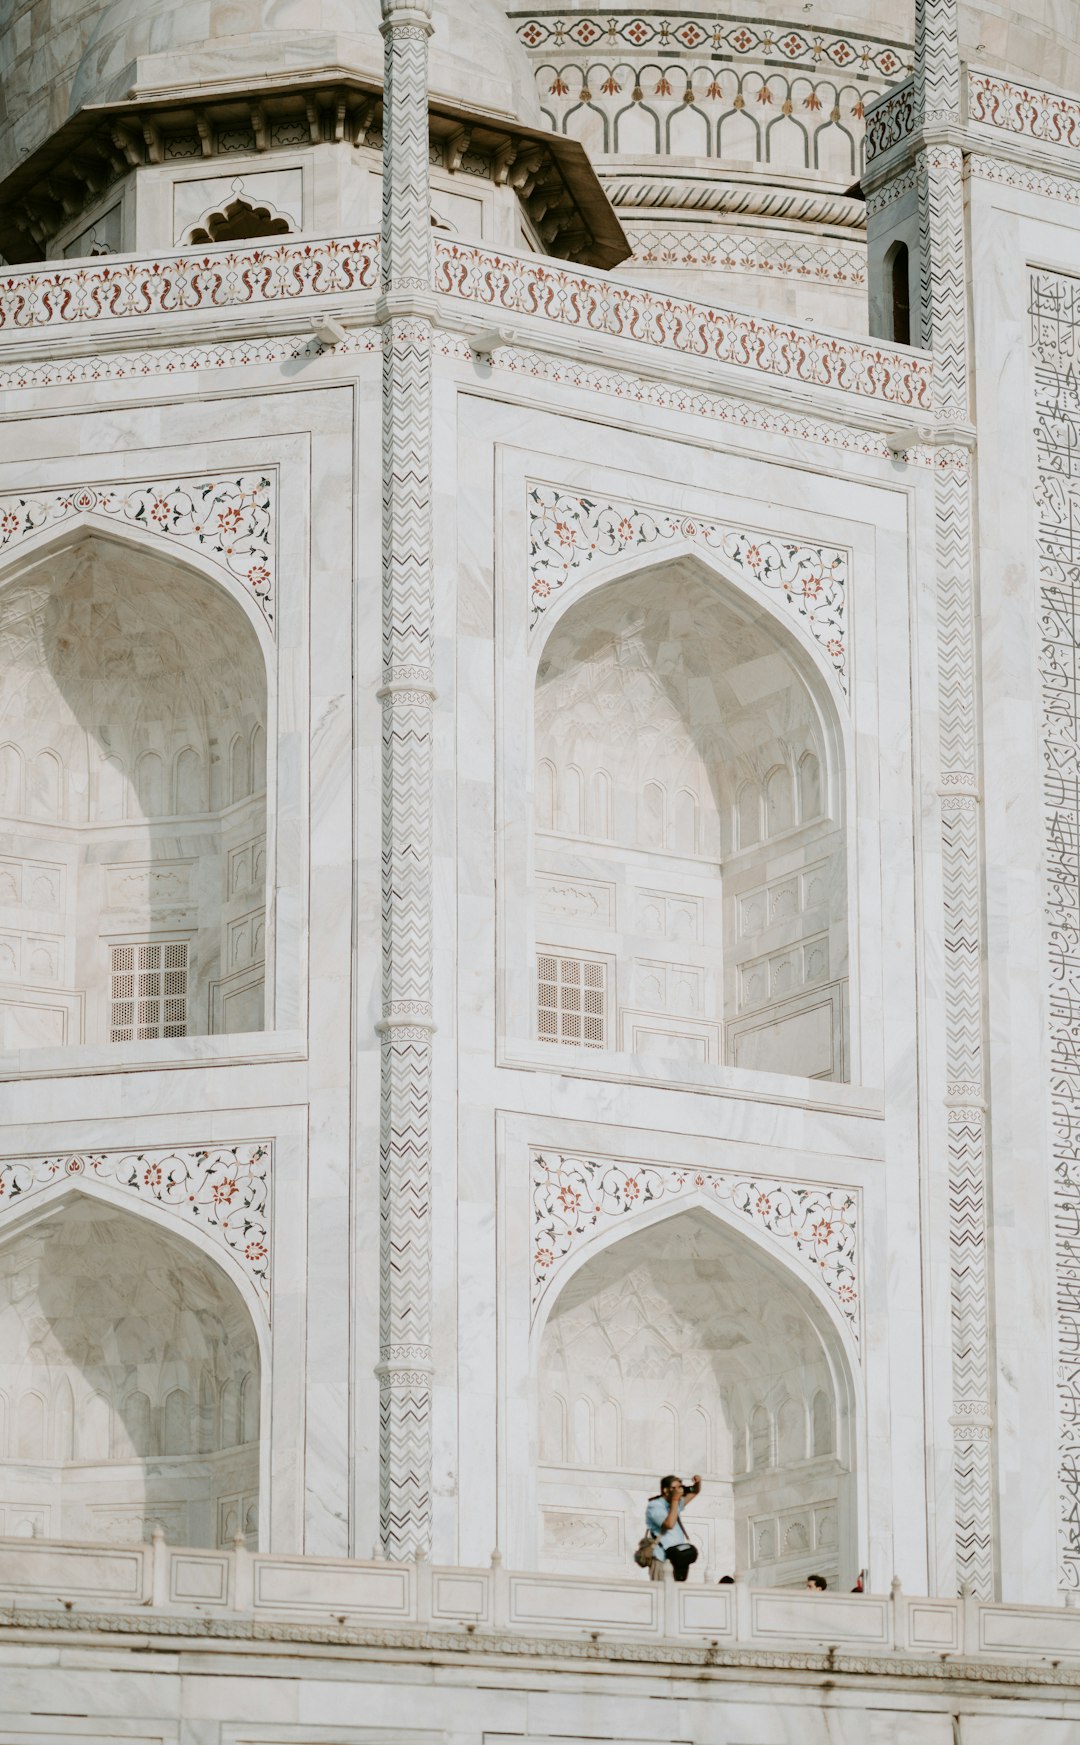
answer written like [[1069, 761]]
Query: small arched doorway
[[684, 1347], [129, 1384]]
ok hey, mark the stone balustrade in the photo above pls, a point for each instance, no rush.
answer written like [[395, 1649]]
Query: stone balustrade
[[107, 297], [54, 1577]]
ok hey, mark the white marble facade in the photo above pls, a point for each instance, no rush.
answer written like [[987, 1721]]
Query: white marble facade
[[693, 697]]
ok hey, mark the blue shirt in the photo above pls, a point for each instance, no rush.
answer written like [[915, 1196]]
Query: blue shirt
[[656, 1513]]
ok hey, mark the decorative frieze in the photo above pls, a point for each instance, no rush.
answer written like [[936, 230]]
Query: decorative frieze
[[1018, 109], [230, 519], [711, 35], [1055, 347], [813, 1225], [890, 120], [223, 1191], [781, 257], [568, 533], [528, 286], [184, 283], [1065, 188]]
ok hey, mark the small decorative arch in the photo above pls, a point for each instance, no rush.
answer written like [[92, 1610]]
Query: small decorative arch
[[898, 292], [237, 220], [779, 801]]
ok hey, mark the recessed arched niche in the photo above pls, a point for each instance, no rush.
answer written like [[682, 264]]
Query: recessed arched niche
[[129, 1384], [689, 872], [684, 1348], [133, 749]]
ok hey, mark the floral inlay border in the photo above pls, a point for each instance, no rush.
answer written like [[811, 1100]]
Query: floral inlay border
[[700, 332], [1013, 108], [180, 283], [225, 1190], [576, 1196], [713, 36], [568, 532], [232, 519]]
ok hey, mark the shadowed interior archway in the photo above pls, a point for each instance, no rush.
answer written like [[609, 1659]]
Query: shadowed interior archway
[[682, 1347], [133, 721], [129, 1383], [689, 844]]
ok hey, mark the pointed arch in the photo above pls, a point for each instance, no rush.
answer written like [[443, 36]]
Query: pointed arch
[[129, 647], [56, 536], [714, 1341]]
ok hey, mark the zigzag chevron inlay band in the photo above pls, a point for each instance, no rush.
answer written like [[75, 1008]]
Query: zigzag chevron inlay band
[[943, 299], [407, 696]]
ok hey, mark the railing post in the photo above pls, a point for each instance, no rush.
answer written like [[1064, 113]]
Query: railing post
[[159, 1567], [423, 1587], [243, 1576], [969, 1606], [500, 1592], [899, 1631], [671, 1602], [744, 1616]]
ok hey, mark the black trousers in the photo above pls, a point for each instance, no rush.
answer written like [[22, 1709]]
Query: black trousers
[[680, 1558]]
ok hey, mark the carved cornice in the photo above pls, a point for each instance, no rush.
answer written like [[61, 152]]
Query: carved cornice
[[71, 172], [691, 194], [830, 1664]]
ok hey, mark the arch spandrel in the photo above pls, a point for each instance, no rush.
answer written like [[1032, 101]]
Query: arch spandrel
[[224, 526], [578, 541], [217, 1197], [582, 1204]]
